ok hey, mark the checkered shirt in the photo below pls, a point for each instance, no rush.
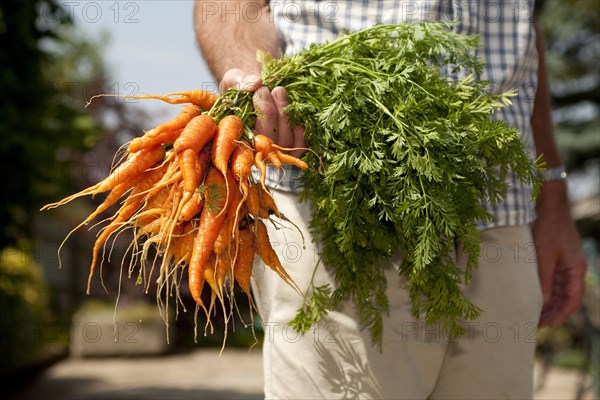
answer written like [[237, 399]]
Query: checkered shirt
[[507, 47]]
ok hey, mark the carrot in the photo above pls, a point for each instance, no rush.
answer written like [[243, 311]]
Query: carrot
[[259, 162], [288, 159], [224, 237], [242, 269], [268, 203], [229, 130], [192, 205], [190, 209], [241, 162], [201, 98], [274, 153], [241, 165], [197, 133], [122, 216], [268, 255], [153, 206], [229, 229], [253, 202], [210, 278], [145, 141], [179, 122], [222, 268], [202, 162], [211, 220], [189, 176], [183, 243], [132, 167], [172, 176], [115, 194]]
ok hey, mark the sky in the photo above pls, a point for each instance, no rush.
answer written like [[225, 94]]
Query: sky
[[151, 50]]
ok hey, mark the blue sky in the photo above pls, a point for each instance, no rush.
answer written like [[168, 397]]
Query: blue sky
[[152, 47]]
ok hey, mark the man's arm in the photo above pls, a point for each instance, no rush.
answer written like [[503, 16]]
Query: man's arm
[[229, 34], [561, 263]]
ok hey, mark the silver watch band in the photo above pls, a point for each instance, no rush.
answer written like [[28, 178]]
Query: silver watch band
[[555, 174]]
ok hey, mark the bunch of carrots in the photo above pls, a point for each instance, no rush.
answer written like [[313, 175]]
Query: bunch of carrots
[[187, 191]]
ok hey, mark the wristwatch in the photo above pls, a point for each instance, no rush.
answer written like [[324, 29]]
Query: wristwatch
[[555, 174]]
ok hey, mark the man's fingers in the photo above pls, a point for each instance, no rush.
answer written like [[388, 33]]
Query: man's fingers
[[570, 291], [272, 120], [285, 135], [298, 141], [240, 80], [567, 293], [267, 121]]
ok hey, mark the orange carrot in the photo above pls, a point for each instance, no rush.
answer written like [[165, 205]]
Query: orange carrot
[[267, 254], [259, 162], [241, 165], [224, 237], [154, 205], [241, 162], [268, 203], [179, 122], [210, 278], [132, 167], [229, 229], [190, 209], [222, 268], [274, 153], [263, 144], [191, 204], [211, 220], [288, 159], [242, 269], [254, 204], [229, 130], [145, 141], [187, 165], [126, 211], [197, 133], [115, 194], [183, 243], [200, 98]]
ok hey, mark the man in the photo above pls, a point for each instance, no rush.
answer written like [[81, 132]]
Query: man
[[494, 359]]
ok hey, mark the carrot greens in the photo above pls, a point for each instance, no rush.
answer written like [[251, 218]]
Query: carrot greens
[[404, 153]]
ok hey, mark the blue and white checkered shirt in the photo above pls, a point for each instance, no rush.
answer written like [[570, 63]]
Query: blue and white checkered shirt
[[507, 47]]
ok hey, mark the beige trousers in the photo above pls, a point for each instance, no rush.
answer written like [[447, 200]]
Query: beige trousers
[[335, 360]]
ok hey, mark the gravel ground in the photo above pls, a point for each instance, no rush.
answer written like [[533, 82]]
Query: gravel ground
[[202, 374]]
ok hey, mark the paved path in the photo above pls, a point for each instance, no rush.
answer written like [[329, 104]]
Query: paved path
[[201, 374], [237, 374]]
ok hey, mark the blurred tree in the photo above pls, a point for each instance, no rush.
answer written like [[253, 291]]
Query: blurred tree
[[572, 32], [51, 144], [39, 117]]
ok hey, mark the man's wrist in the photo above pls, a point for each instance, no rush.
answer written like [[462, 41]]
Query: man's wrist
[[553, 197]]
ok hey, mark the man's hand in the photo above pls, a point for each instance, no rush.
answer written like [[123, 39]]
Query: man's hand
[[272, 121], [561, 263]]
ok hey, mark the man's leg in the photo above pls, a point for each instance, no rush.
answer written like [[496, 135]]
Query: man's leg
[[495, 358], [336, 359]]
